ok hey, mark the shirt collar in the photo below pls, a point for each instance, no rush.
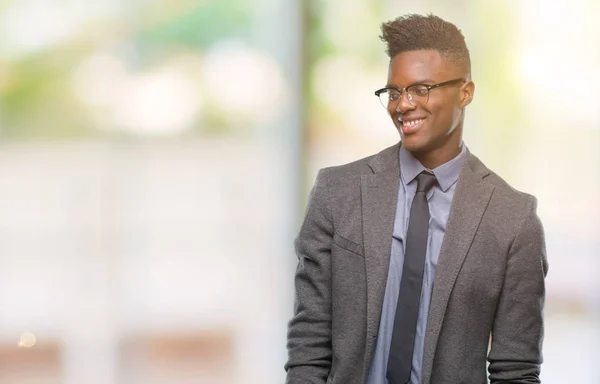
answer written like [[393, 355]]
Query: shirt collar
[[446, 174]]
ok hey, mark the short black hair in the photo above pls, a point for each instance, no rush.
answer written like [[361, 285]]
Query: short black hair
[[417, 32]]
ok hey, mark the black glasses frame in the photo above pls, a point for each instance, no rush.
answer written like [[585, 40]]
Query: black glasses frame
[[428, 86]]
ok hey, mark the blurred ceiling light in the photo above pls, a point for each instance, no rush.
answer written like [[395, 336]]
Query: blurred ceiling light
[[245, 83]]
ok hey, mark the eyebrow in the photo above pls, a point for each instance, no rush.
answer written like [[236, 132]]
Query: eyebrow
[[389, 85]]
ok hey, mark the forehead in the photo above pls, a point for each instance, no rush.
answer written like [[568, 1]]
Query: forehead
[[415, 66]]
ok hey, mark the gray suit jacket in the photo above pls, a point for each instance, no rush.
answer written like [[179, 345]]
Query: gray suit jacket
[[489, 279]]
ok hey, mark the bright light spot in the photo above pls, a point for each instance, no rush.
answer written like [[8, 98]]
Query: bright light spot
[[244, 82], [161, 102], [556, 66], [31, 25], [164, 101], [27, 340], [539, 66], [540, 15], [529, 68]]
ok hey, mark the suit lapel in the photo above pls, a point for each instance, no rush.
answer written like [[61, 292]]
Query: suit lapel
[[379, 192], [471, 198]]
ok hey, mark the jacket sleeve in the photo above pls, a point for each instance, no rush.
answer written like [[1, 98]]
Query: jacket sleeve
[[516, 351], [309, 330]]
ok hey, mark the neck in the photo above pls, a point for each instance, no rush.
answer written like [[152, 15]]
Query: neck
[[434, 158], [444, 151]]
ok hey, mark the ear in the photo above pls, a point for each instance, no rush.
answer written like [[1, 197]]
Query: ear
[[466, 93]]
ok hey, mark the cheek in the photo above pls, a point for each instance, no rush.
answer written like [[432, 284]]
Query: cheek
[[439, 113], [445, 116]]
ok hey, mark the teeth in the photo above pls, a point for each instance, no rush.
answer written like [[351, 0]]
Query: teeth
[[412, 123]]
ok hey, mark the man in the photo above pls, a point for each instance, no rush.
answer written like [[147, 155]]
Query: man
[[418, 263]]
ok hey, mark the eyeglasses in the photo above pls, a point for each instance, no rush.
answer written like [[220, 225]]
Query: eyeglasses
[[416, 93]]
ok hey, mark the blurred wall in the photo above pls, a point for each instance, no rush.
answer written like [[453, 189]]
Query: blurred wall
[[155, 158]]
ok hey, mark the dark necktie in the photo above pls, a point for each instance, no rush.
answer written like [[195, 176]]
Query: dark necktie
[[405, 321]]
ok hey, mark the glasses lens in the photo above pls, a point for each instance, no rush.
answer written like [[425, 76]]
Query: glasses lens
[[419, 94], [389, 98]]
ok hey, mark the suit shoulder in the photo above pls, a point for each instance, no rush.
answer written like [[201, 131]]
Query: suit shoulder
[[507, 192]]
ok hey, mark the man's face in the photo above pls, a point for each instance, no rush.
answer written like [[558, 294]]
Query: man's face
[[436, 124]]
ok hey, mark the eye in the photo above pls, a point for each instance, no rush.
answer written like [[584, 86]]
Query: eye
[[393, 95], [419, 90]]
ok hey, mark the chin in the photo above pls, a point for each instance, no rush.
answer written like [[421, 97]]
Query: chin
[[413, 143]]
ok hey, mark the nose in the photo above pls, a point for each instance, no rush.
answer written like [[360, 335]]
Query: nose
[[404, 103]]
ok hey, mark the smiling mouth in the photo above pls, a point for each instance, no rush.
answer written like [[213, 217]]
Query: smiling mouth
[[410, 126]]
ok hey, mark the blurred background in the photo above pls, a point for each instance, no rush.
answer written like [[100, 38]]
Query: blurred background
[[156, 156]]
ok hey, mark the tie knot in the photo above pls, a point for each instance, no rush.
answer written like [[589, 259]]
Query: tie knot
[[425, 181]]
